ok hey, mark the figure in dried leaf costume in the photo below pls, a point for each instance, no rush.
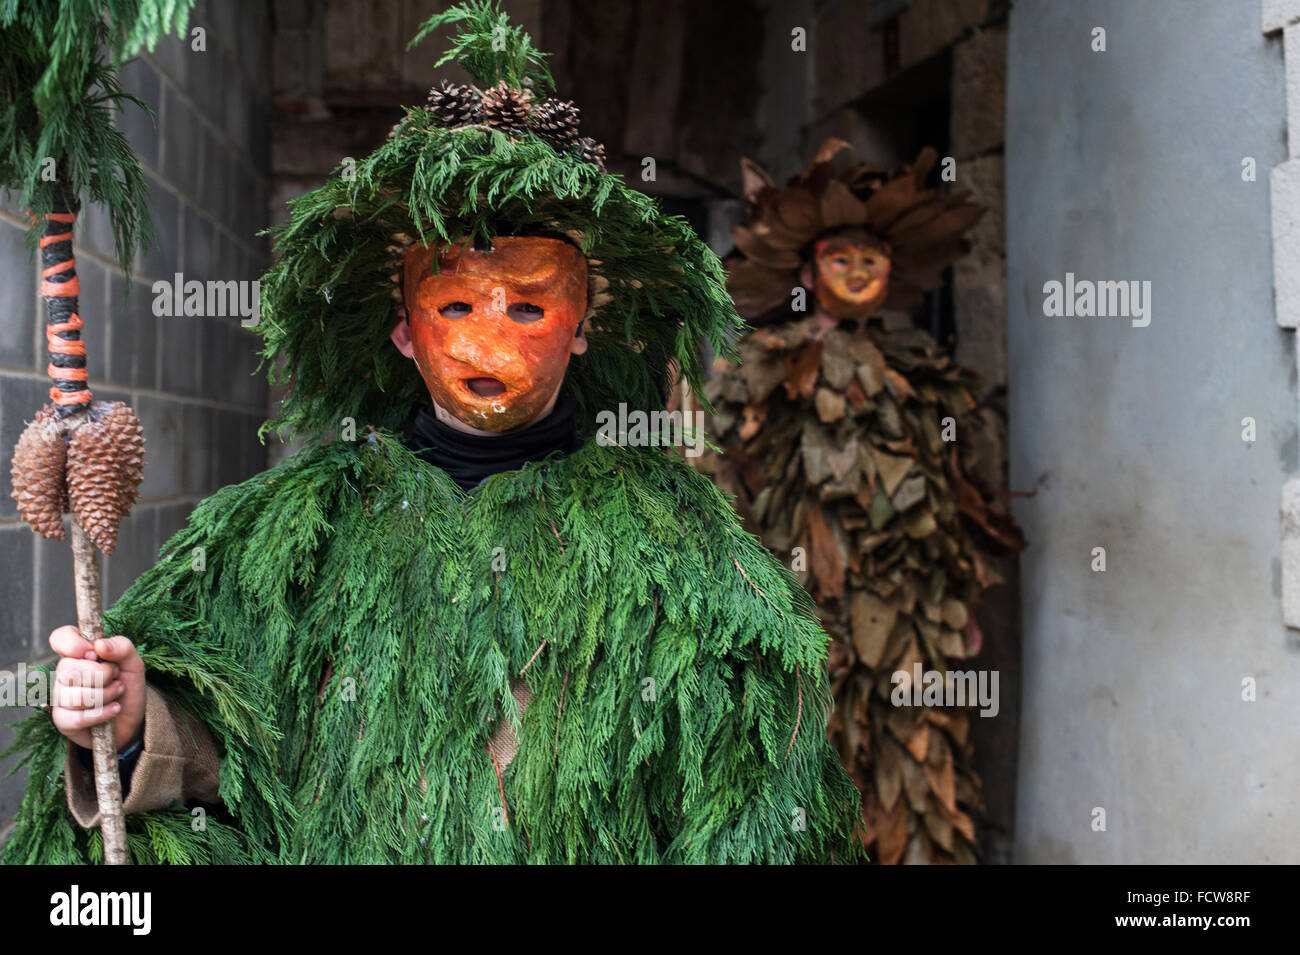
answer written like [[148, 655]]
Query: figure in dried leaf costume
[[847, 445]]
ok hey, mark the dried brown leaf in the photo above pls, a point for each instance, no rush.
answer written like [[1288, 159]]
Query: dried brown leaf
[[891, 469], [829, 405], [919, 744], [801, 371], [873, 621], [828, 561]]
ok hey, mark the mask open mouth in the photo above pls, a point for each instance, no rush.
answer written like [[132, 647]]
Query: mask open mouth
[[485, 387]]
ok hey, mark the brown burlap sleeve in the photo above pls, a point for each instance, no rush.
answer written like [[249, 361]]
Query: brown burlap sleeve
[[178, 763]]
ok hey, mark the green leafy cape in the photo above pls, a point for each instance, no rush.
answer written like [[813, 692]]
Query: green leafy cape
[[349, 642]]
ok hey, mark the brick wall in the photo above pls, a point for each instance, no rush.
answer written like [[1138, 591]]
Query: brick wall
[[189, 379]]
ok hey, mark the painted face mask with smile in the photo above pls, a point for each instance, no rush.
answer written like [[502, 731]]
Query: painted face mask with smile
[[852, 274], [491, 331]]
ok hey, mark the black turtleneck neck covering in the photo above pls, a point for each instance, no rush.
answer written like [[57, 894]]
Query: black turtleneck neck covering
[[470, 458]]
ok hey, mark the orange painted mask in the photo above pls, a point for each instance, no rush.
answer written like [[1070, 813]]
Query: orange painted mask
[[492, 330], [852, 274]]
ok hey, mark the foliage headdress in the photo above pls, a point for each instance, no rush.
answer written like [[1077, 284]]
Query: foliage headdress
[[475, 163], [922, 227]]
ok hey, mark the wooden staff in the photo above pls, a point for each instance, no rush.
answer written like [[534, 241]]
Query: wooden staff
[[61, 463], [71, 395]]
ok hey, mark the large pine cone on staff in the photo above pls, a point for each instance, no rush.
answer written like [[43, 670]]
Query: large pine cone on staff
[[105, 467], [37, 470]]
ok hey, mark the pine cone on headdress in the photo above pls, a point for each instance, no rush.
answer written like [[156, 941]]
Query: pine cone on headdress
[[505, 108], [591, 151], [105, 467], [37, 472], [453, 104], [556, 121]]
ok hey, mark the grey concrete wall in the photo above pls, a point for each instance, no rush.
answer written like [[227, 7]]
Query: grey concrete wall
[[1127, 165], [189, 379]]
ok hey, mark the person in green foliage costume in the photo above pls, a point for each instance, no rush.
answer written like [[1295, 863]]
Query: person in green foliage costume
[[381, 656]]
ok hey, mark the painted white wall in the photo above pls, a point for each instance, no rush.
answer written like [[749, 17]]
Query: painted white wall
[[1127, 165]]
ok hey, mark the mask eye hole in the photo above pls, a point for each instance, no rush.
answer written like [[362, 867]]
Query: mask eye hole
[[455, 310], [524, 312]]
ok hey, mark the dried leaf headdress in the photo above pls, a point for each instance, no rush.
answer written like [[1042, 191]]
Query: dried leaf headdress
[[923, 228]]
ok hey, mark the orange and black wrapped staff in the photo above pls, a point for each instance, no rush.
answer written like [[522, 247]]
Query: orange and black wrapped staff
[[61, 289]]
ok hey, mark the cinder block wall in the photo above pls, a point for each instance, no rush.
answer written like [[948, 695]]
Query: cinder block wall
[[190, 379]]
